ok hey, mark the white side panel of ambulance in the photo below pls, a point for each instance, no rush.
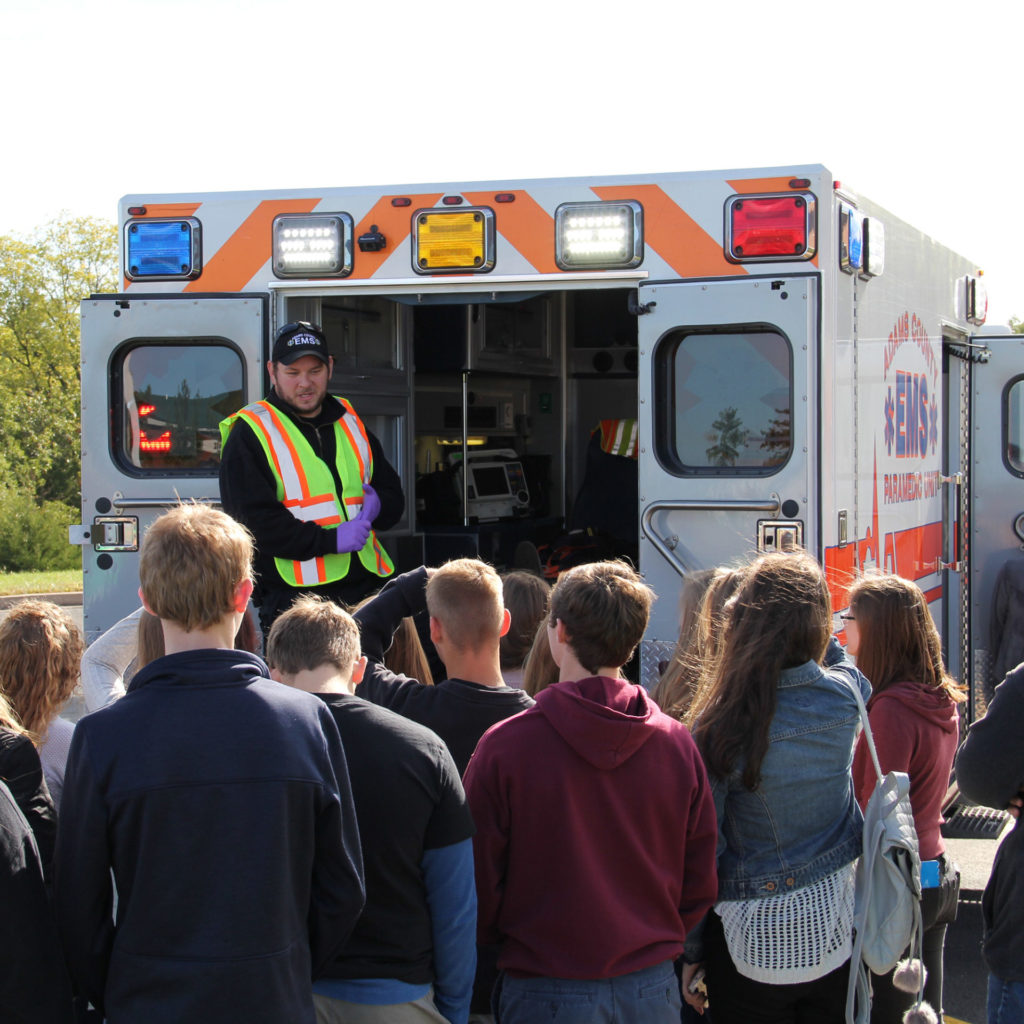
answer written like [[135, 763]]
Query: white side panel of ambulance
[[158, 375]]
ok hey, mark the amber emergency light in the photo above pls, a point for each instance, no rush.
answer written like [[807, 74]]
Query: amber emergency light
[[447, 242]]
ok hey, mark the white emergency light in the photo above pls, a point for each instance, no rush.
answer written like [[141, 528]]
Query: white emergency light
[[977, 300], [312, 245], [599, 236], [874, 248]]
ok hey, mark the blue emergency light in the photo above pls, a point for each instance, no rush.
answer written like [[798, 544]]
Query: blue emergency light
[[851, 239], [163, 250]]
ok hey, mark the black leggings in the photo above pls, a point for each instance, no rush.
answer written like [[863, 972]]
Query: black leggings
[[938, 911], [735, 999]]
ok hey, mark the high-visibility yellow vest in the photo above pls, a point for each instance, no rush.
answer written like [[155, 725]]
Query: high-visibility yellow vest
[[306, 488]]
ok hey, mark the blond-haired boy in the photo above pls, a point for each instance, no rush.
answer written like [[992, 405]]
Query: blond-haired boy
[[208, 796], [467, 618]]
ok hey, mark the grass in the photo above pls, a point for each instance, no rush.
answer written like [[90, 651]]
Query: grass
[[58, 581]]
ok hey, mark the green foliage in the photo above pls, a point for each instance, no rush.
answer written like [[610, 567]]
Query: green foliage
[[35, 536], [42, 280], [1016, 325]]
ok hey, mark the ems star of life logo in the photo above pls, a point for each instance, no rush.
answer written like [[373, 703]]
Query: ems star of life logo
[[911, 408]]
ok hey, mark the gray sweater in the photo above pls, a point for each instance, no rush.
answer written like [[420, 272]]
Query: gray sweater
[[990, 770]]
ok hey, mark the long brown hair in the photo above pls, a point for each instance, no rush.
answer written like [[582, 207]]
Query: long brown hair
[[781, 617], [898, 641], [539, 669], [696, 658], [40, 658]]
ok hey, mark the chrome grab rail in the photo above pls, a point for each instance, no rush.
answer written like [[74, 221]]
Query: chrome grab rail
[[666, 545]]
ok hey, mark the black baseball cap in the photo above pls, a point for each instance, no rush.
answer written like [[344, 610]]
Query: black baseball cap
[[298, 339]]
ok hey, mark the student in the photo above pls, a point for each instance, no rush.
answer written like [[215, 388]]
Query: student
[[412, 954], [525, 595], [595, 845], [40, 656], [990, 771], [207, 795], [22, 772], [34, 985], [467, 620], [914, 721], [698, 646], [776, 723]]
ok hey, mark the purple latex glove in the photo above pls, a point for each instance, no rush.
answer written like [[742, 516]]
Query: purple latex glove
[[371, 505], [352, 536]]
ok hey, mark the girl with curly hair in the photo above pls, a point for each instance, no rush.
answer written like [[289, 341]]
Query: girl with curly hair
[[40, 657]]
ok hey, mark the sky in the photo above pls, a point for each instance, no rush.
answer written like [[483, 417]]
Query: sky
[[911, 104]]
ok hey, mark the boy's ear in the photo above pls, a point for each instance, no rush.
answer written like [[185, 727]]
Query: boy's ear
[[145, 603], [242, 594], [358, 670], [506, 622], [436, 631]]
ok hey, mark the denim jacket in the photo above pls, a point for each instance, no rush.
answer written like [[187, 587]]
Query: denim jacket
[[803, 821]]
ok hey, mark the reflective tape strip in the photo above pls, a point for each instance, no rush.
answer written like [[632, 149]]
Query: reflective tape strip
[[310, 572], [358, 439], [292, 476], [315, 510]]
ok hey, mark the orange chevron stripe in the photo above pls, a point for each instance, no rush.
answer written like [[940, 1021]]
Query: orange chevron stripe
[[394, 223], [235, 263], [673, 234], [748, 186], [525, 224], [170, 209]]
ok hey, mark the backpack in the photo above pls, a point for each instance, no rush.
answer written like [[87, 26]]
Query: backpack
[[887, 918]]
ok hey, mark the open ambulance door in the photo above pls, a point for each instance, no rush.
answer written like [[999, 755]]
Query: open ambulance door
[[994, 543], [159, 372], [729, 447]]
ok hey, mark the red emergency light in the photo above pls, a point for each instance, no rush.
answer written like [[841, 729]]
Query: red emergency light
[[157, 444], [774, 227]]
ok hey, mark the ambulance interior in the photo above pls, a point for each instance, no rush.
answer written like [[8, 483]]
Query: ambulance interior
[[516, 382]]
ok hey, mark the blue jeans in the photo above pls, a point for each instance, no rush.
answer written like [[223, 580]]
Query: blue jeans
[[650, 996], [1005, 1001]]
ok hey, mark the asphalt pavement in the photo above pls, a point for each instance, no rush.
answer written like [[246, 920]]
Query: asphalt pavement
[[966, 976]]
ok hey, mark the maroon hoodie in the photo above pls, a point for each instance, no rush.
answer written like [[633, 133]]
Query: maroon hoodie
[[916, 731], [596, 833]]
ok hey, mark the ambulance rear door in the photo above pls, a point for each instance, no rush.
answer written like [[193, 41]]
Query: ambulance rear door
[[996, 523], [159, 372], [729, 449]]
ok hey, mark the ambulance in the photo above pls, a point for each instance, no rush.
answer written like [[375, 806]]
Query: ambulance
[[685, 369]]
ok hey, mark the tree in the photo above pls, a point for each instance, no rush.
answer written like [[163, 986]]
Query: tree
[[1016, 325], [728, 436], [42, 280]]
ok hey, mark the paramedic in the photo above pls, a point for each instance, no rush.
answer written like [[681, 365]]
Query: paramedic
[[313, 486]]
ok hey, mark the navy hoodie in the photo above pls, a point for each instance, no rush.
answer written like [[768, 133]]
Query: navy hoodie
[[209, 791]]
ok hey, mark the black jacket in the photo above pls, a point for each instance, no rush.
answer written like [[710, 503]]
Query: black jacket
[[210, 791], [34, 985], [989, 771], [22, 771], [248, 492]]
